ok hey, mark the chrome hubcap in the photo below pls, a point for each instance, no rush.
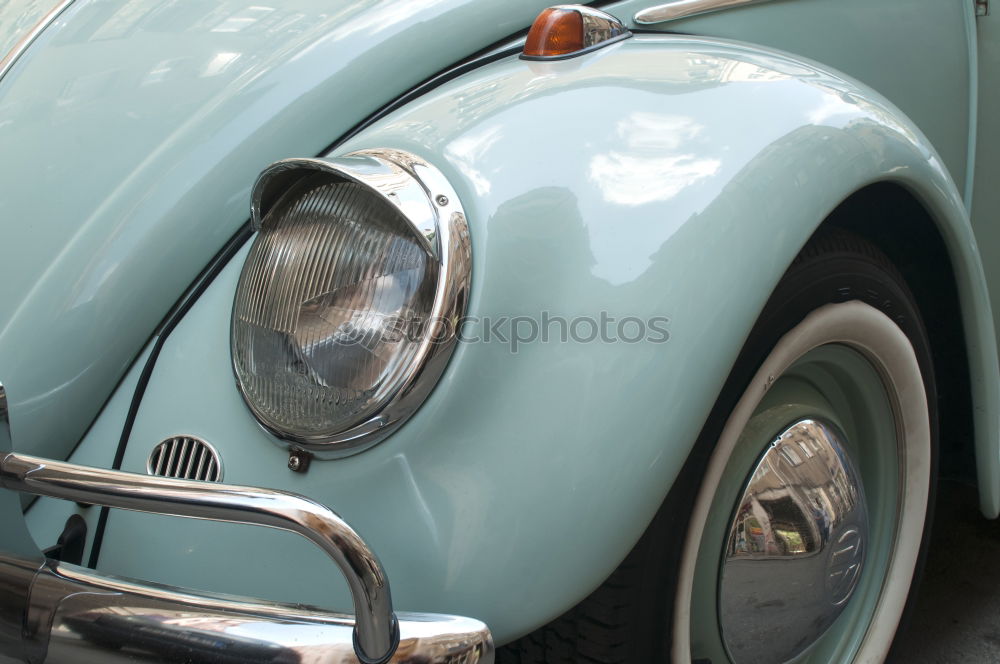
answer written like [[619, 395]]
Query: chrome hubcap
[[796, 546]]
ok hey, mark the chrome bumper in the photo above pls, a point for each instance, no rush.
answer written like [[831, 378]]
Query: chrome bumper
[[53, 612]]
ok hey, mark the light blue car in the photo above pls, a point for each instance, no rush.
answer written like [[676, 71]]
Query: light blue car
[[629, 332]]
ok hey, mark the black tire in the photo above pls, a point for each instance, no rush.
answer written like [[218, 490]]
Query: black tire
[[628, 618]]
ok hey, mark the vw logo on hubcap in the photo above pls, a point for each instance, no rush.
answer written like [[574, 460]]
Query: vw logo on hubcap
[[843, 568], [796, 546]]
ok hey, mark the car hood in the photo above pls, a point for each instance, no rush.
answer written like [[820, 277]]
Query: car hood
[[131, 133]]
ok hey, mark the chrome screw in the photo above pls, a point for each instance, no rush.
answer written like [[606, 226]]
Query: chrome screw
[[298, 461], [442, 200]]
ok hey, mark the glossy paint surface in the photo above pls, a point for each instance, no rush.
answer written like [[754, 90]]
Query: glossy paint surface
[[949, 91], [882, 44], [658, 204], [131, 132], [47, 516], [17, 18]]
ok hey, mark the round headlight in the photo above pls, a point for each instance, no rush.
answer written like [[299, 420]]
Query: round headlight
[[347, 305]]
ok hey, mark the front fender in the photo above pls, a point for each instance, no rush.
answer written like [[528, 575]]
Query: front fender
[[131, 133], [662, 177]]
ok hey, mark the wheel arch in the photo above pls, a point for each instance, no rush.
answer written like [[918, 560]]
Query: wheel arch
[[527, 475], [891, 216], [551, 230]]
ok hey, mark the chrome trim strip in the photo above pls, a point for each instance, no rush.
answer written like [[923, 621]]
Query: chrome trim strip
[[22, 45], [671, 11], [377, 630], [80, 616], [405, 181], [431, 206]]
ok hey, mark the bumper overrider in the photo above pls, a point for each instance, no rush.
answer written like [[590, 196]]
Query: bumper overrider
[[55, 612]]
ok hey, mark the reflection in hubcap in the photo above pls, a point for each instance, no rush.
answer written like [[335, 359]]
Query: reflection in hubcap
[[796, 547]]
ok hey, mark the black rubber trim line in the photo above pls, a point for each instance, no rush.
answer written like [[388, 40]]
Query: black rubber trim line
[[204, 280], [478, 59], [221, 259], [170, 321], [437, 80]]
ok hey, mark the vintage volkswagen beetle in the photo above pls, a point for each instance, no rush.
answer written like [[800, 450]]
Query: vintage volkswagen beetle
[[634, 337]]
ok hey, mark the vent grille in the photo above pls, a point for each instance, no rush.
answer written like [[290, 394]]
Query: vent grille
[[185, 457]]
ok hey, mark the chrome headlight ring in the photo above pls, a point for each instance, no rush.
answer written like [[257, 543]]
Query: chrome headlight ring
[[317, 274]]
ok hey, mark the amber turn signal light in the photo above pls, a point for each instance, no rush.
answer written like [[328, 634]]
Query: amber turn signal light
[[565, 31], [556, 31]]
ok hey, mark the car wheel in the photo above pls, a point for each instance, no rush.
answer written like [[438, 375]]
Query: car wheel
[[797, 527]]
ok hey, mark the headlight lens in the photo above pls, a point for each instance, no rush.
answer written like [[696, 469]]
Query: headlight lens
[[353, 285]]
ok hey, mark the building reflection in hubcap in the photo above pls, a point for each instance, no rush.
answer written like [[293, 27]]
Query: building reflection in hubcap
[[796, 546]]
